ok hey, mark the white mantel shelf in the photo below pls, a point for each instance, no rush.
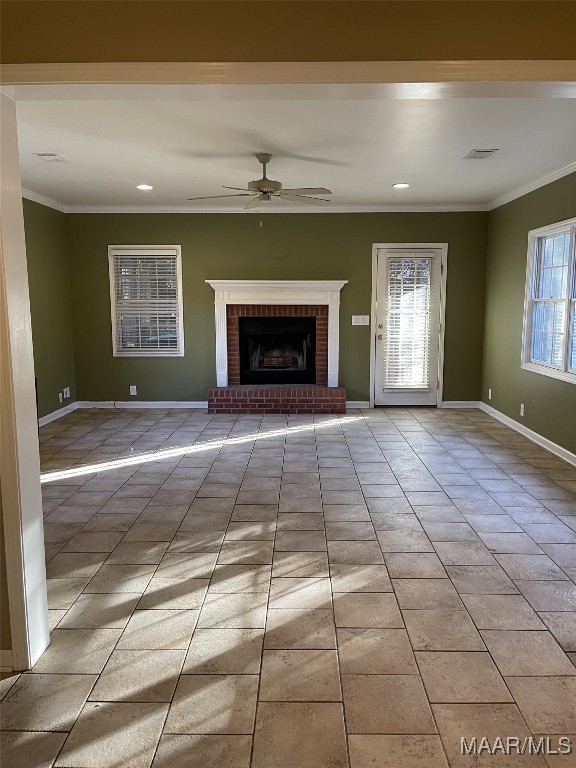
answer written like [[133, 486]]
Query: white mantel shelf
[[326, 292]]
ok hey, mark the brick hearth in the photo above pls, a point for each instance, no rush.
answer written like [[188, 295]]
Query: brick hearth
[[277, 398]]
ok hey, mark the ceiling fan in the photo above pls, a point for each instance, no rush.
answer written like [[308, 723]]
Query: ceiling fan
[[265, 189]]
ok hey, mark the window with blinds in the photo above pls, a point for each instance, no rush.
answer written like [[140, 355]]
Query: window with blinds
[[550, 307], [146, 301], [408, 316]]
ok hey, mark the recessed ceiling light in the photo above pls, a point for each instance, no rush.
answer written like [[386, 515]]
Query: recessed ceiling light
[[144, 186], [401, 185]]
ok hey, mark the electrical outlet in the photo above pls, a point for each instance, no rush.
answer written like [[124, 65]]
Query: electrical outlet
[[60, 396], [489, 394], [66, 393], [521, 409], [133, 390]]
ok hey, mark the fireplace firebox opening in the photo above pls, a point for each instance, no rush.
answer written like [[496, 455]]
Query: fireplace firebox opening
[[277, 350]]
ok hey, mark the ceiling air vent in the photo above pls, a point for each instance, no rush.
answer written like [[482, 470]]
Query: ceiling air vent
[[479, 154], [50, 157]]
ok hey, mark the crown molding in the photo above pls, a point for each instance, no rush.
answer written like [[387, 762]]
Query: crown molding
[[434, 208], [47, 201], [514, 194]]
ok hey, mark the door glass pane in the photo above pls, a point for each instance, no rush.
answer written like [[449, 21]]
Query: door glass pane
[[407, 347]]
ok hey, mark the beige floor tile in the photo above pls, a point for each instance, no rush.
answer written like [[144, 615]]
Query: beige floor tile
[[426, 593], [246, 553], [60, 532], [80, 651], [137, 553], [24, 749], [205, 521], [548, 704], [386, 704], [360, 578], [265, 513], [300, 521], [109, 734], [63, 592], [224, 652], [203, 751], [93, 541], [240, 578], [213, 704], [463, 553], [404, 541], [460, 676], [549, 595], [148, 531], [375, 652], [481, 580], [196, 541], [510, 543], [74, 565], [457, 721], [120, 578], [562, 624], [92, 611], [414, 565], [355, 552], [251, 531], [230, 611], [299, 735], [139, 676], [300, 675], [367, 609], [346, 513], [356, 531], [300, 564], [368, 751], [449, 531], [524, 653], [195, 565], [438, 630], [530, 567], [158, 630], [300, 541], [300, 593], [300, 629], [45, 702], [174, 593], [501, 612]]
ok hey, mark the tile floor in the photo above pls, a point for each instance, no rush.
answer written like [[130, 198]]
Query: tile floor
[[340, 592]]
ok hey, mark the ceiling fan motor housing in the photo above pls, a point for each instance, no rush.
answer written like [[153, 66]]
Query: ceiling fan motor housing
[[264, 186]]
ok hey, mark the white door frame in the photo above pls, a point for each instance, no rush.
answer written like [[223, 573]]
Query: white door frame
[[443, 248]]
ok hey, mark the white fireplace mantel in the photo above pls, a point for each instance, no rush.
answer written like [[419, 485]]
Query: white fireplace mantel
[[325, 292]]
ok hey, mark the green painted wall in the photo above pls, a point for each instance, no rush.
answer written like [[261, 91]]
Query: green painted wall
[[550, 405], [286, 246], [50, 305]]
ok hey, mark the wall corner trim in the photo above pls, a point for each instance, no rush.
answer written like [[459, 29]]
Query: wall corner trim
[[43, 420], [6, 660], [357, 404], [462, 404], [543, 442]]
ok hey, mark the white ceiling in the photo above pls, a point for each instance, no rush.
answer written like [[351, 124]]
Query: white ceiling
[[357, 140]]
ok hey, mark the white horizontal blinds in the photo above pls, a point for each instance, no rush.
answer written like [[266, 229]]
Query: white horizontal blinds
[[572, 339], [409, 310], [549, 305], [147, 303]]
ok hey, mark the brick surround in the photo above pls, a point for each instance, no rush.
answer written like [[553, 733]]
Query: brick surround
[[277, 398], [234, 311]]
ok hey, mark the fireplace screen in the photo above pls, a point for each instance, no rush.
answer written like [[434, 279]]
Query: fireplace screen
[[277, 350]]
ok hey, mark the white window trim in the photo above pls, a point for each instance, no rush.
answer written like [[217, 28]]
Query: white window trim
[[533, 236], [146, 250]]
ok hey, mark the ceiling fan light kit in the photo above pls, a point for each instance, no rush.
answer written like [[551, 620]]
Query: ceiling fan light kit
[[264, 189]]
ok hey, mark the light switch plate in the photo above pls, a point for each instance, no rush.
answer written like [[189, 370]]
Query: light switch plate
[[360, 319]]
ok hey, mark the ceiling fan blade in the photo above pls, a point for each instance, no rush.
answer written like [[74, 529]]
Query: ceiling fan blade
[[253, 203], [213, 197], [239, 189], [307, 191], [305, 199]]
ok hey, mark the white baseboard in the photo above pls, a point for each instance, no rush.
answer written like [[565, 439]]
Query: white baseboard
[[543, 442], [6, 660], [142, 404], [57, 414], [462, 404], [357, 403]]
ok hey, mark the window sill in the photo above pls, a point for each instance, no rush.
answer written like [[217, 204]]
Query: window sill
[[550, 372]]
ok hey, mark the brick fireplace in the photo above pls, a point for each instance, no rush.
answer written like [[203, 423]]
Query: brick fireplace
[[277, 386]]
